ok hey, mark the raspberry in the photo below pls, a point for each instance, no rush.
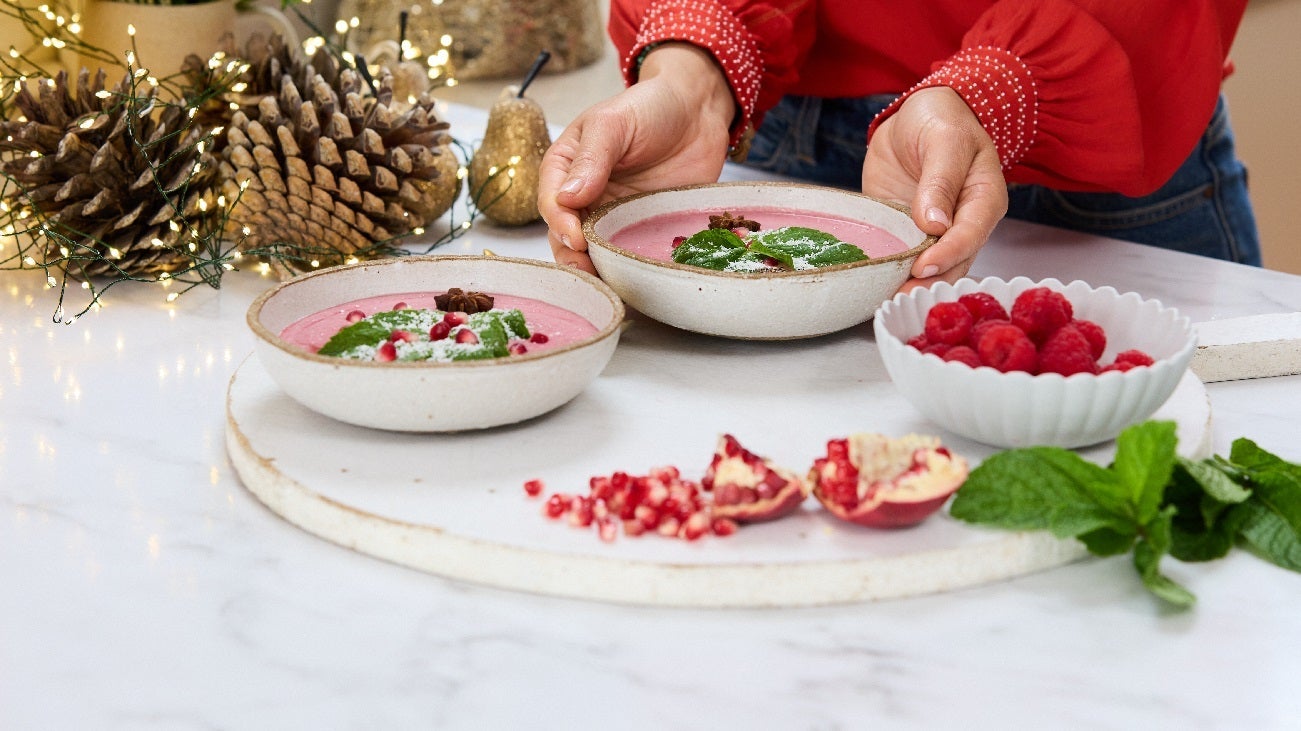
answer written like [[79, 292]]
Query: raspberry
[[983, 306], [1067, 352], [919, 341], [1039, 311], [1122, 367], [1094, 333], [1135, 358], [1006, 347], [937, 349], [979, 329], [949, 323], [962, 354]]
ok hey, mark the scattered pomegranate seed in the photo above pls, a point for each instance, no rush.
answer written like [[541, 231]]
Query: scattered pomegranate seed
[[467, 336], [403, 336], [455, 318], [515, 348], [660, 501], [355, 316], [386, 352], [439, 331], [538, 338], [400, 305], [678, 241]]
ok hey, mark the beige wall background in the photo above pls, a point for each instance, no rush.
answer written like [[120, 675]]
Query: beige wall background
[[1265, 106]]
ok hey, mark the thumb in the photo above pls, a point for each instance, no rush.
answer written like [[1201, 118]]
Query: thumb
[[946, 161], [599, 145]]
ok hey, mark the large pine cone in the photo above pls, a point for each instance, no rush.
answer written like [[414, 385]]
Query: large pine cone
[[330, 176], [118, 182]]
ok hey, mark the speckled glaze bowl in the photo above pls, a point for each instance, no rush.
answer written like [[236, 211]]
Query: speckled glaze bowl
[[436, 397], [761, 306], [1018, 409]]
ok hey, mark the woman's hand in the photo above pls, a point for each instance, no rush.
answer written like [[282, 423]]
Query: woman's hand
[[933, 155], [670, 128]]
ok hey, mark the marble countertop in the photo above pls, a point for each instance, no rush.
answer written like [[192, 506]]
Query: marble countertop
[[144, 587]]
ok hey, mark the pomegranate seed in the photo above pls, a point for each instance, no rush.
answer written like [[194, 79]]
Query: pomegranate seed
[[646, 515], [467, 336], [748, 495], [516, 348], [678, 241], [665, 474], [695, 526], [602, 487], [439, 331], [600, 509], [728, 494], [538, 338], [656, 495], [580, 511], [669, 527], [355, 316], [386, 352], [400, 336], [771, 261], [723, 526], [533, 488], [455, 318], [607, 528], [557, 505], [633, 528], [399, 305]]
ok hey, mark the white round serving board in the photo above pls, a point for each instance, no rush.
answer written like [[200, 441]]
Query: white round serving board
[[453, 504]]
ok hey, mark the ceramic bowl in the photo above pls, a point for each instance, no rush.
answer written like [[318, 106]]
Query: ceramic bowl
[[758, 306], [431, 396], [1018, 409]]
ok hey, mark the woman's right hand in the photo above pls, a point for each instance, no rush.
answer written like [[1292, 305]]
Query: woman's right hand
[[670, 128]]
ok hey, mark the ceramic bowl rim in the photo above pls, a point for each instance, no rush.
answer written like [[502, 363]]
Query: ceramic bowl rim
[[595, 239], [254, 315]]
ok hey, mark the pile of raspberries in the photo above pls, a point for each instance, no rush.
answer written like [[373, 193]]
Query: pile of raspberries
[[1040, 336]]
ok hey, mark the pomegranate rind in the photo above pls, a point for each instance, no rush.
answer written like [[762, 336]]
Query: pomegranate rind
[[735, 468], [897, 482]]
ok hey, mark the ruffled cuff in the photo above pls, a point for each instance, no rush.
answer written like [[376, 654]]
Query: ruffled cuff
[[999, 88], [714, 28]]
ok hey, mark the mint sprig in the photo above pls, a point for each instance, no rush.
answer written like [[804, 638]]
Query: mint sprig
[[1149, 501]]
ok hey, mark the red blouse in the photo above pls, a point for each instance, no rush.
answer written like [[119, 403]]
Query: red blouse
[[1089, 95]]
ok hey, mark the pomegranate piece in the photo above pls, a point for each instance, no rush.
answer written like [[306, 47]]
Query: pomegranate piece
[[386, 352], [748, 488], [455, 318], [538, 338], [517, 348], [533, 488], [355, 316], [467, 337], [400, 336], [877, 481], [439, 331]]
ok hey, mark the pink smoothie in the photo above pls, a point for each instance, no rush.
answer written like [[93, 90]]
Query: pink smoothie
[[653, 237], [561, 326]]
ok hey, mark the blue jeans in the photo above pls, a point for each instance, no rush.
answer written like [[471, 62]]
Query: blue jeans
[[1203, 209]]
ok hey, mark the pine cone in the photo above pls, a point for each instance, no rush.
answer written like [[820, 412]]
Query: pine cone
[[329, 170], [81, 166]]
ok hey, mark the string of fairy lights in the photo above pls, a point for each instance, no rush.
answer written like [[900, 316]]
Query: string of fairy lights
[[199, 236]]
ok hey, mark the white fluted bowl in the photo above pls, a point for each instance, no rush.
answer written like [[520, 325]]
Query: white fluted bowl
[[1019, 409], [425, 396]]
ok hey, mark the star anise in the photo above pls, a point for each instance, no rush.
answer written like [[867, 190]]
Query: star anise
[[458, 300], [728, 221]]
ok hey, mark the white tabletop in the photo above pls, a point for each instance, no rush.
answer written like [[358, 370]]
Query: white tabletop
[[144, 587]]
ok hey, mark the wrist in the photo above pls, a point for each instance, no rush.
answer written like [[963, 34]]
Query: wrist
[[693, 71]]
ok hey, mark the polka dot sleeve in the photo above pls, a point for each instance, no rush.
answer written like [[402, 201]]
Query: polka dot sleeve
[[714, 28], [999, 88]]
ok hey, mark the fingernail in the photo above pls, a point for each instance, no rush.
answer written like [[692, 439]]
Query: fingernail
[[935, 215], [573, 185], [564, 239], [929, 270]]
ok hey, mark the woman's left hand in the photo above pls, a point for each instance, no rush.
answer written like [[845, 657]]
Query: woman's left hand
[[933, 155]]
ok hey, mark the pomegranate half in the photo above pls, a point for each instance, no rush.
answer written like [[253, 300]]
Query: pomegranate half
[[748, 488], [877, 481]]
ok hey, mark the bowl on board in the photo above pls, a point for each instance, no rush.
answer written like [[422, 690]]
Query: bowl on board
[[429, 396]]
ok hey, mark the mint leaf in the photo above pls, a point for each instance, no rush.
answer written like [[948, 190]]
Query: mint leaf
[[798, 247], [1213, 481], [1041, 488], [1145, 457], [1269, 536], [1154, 544], [1107, 541], [713, 248], [1274, 482], [1197, 539], [362, 332]]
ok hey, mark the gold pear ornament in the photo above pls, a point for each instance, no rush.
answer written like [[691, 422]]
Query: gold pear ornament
[[503, 175]]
